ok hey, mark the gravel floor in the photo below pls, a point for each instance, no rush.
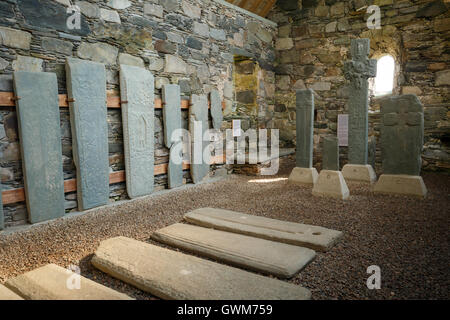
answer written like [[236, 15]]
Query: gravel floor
[[407, 238]]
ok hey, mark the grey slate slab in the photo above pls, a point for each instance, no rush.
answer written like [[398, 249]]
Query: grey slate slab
[[168, 274], [313, 237], [216, 109], [86, 84], [330, 154], [40, 141], [402, 134], [172, 133], [305, 127], [269, 257], [358, 71], [198, 126], [138, 117]]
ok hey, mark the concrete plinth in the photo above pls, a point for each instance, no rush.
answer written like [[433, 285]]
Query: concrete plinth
[[401, 184], [359, 172], [331, 184], [303, 176]]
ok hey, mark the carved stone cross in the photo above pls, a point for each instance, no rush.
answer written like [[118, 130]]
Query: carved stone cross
[[358, 71]]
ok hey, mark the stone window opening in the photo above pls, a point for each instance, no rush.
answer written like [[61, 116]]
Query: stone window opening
[[384, 83]]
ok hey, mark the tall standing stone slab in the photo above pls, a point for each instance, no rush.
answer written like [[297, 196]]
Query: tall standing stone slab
[[86, 86], [40, 142], [216, 109], [358, 71], [198, 127], [304, 173], [401, 146], [138, 117], [172, 133], [2, 216]]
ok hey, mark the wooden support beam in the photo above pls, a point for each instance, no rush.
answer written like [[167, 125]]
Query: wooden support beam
[[70, 185], [113, 101]]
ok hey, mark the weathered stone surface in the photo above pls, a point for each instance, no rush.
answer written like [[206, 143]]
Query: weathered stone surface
[[331, 183], [51, 15], [306, 176], [109, 15], [118, 4], [443, 78], [90, 10], [6, 83], [137, 89], [216, 109], [168, 274], [174, 64], [86, 84], [358, 70], [313, 237], [191, 10], [198, 126], [359, 172], [6, 294], [275, 258], [153, 10], [52, 282], [30, 64], [432, 9], [128, 59], [305, 127], [38, 116], [401, 184], [217, 34], [172, 133], [402, 135], [100, 52], [2, 217], [330, 158], [15, 38], [56, 45]]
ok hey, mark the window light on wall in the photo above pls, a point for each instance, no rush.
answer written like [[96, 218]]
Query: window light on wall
[[384, 81]]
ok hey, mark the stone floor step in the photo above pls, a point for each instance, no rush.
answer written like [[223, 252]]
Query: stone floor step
[[269, 257], [313, 237], [6, 294], [174, 275], [52, 282]]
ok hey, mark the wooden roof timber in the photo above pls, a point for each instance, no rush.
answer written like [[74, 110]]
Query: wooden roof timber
[[259, 7]]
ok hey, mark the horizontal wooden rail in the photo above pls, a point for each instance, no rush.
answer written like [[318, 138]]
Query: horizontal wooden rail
[[70, 185], [113, 101]]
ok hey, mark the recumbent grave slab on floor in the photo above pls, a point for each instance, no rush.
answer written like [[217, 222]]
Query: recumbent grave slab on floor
[[313, 237], [173, 275], [86, 86], [401, 146], [40, 142], [172, 133], [304, 173], [52, 282], [137, 95], [269, 257], [198, 126]]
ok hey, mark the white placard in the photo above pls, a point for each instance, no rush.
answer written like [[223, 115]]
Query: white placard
[[236, 128], [342, 130]]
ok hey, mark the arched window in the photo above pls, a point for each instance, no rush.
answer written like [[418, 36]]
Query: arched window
[[384, 81]]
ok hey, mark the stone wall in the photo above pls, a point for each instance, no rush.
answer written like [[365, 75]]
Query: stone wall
[[188, 42], [314, 41]]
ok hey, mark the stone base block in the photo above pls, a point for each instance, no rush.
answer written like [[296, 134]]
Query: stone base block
[[331, 184], [359, 172], [303, 176], [401, 184]]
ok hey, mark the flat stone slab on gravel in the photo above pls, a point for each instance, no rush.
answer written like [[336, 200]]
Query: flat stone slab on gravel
[[313, 237], [6, 294], [173, 275], [270, 257], [52, 282]]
